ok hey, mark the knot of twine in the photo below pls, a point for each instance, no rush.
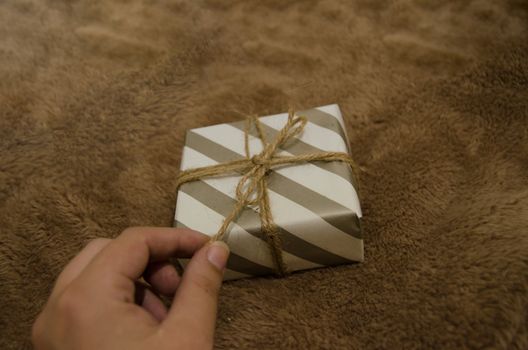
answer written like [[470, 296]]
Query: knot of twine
[[252, 188]]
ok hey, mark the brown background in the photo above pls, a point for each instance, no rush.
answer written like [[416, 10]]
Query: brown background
[[95, 97]]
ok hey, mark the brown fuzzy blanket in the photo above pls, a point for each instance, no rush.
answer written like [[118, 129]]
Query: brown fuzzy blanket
[[95, 97]]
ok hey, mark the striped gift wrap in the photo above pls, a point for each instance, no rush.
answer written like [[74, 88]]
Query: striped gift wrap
[[315, 205]]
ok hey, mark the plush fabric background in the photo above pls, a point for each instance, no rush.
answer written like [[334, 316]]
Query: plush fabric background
[[95, 97]]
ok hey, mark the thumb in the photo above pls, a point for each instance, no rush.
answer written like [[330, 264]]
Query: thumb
[[195, 302]]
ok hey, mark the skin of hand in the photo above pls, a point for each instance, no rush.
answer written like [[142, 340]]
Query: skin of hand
[[98, 303]]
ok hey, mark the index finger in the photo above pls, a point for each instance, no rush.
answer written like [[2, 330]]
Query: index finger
[[129, 254]]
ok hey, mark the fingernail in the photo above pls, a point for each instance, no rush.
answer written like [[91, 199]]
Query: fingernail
[[217, 254]]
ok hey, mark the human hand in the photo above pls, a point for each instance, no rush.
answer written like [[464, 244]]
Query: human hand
[[97, 302]]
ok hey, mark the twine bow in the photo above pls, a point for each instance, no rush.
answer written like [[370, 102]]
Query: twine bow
[[252, 188]]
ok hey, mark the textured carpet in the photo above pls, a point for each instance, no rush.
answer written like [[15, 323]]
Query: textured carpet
[[95, 97]]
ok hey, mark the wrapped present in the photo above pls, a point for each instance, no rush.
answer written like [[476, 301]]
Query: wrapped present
[[280, 190]]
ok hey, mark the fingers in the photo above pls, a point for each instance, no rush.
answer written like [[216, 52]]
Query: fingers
[[78, 263], [163, 277], [150, 302], [129, 254], [195, 302]]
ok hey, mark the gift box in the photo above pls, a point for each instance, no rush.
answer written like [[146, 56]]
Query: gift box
[[313, 205]]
